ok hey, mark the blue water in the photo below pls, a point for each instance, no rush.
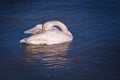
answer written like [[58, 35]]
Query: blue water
[[92, 55]]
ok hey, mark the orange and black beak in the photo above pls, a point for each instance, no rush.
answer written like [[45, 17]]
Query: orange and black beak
[[43, 29]]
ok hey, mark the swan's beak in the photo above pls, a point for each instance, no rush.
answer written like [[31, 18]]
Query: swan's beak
[[43, 29]]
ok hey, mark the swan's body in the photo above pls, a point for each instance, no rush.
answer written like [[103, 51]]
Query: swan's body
[[50, 36]]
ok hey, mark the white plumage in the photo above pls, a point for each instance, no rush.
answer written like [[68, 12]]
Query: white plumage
[[51, 35]]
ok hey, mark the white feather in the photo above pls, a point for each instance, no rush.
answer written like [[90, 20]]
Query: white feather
[[51, 35]]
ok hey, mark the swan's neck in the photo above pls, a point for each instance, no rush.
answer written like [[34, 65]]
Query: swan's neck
[[58, 24], [61, 26]]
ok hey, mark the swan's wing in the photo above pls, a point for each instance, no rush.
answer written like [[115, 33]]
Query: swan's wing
[[34, 30], [37, 29]]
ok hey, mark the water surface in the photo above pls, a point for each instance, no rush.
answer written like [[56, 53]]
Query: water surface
[[92, 55]]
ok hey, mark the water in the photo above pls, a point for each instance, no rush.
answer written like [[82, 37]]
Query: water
[[92, 55]]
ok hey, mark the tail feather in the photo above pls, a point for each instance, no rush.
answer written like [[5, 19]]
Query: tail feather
[[23, 40]]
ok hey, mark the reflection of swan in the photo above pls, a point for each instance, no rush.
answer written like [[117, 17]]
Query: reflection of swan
[[49, 34], [51, 56]]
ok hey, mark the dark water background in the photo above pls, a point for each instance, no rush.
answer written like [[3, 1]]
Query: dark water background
[[92, 55]]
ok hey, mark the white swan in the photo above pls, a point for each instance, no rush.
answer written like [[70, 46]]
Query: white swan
[[48, 34]]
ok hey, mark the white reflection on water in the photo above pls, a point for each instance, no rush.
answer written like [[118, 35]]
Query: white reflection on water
[[51, 56]]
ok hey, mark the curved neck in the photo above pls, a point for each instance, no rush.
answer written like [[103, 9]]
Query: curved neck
[[58, 24]]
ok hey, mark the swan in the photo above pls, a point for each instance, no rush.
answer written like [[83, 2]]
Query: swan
[[48, 34]]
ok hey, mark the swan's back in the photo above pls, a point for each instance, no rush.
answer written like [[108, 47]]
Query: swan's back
[[49, 37]]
